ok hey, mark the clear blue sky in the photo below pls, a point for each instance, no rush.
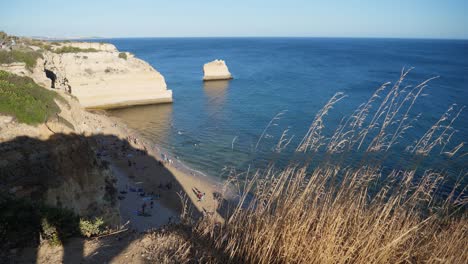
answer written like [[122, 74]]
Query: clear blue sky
[[192, 18]]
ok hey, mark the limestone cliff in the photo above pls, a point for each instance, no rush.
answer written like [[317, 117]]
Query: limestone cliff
[[56, 162], [61, 171], [36, 73], [97, 74], [101, 77], [216, 70]]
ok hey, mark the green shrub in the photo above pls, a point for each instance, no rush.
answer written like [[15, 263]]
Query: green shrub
[[22, 222], [27, 56], [90, 228], [123, 55], [19, 223], [70, 49], [22, 98], [44, 45], [3, 35], [58, 224]]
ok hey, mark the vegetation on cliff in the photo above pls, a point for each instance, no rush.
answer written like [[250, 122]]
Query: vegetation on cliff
[[123, 55], [29, 57], [15, 49], [69, 49], [22, 98], [24, 222]]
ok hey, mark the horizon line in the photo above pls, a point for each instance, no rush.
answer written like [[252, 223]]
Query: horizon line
[[272, 36]]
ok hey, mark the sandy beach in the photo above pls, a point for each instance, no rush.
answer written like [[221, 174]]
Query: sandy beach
[[145, 173]]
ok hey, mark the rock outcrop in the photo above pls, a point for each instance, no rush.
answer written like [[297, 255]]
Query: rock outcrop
[[88, 45], [61, 171], [97, 74], [216, 70], [105, 78], [36, 73], [56, 162]]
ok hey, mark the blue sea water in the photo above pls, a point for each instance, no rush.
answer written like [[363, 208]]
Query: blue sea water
[[215, 125]]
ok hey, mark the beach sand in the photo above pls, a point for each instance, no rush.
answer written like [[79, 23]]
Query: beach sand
[[145, 166]]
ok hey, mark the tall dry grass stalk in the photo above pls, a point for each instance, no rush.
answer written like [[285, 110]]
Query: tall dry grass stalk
[[340, 214]]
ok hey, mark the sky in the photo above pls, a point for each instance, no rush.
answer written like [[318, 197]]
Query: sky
[[236, 18]]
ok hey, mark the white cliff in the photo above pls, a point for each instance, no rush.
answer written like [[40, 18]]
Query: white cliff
[[36, 73], [88, 45], [105, 78], [216, 70]]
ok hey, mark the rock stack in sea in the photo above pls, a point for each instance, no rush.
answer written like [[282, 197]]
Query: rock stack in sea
[[216, 70]]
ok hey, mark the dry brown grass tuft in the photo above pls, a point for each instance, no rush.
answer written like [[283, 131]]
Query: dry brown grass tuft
[[161, 247], [336, 215]]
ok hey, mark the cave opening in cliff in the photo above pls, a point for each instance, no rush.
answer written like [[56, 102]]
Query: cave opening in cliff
[[51, 75]]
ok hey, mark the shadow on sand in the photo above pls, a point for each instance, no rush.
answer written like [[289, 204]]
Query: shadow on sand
[[66, 166]]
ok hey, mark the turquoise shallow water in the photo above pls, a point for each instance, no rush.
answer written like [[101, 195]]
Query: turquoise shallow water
[[214, 125]]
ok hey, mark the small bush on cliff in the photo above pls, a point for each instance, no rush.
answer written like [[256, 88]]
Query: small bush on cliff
[[19, 223], [89, 228], [3, 35], [44, 45], [23, 222], [29, 57], [58, 224], [69, 49], [22, 98], [123, 55]]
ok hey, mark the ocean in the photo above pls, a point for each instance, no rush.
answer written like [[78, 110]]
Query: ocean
[[215, 127]]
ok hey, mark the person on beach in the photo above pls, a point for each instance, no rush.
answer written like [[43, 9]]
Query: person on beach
[[151, 204], [143, 208], [199, 194]]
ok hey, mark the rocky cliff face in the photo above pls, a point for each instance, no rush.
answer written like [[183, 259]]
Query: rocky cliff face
[[105, 78], [51, 164], [61, 171], [37, 73], [88, 45]]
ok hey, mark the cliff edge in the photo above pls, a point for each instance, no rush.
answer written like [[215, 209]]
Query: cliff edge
[[102, 77], [97, 74]]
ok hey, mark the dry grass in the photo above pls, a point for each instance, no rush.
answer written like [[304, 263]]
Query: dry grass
[[160, 247], [297, 217], [333, 213]]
